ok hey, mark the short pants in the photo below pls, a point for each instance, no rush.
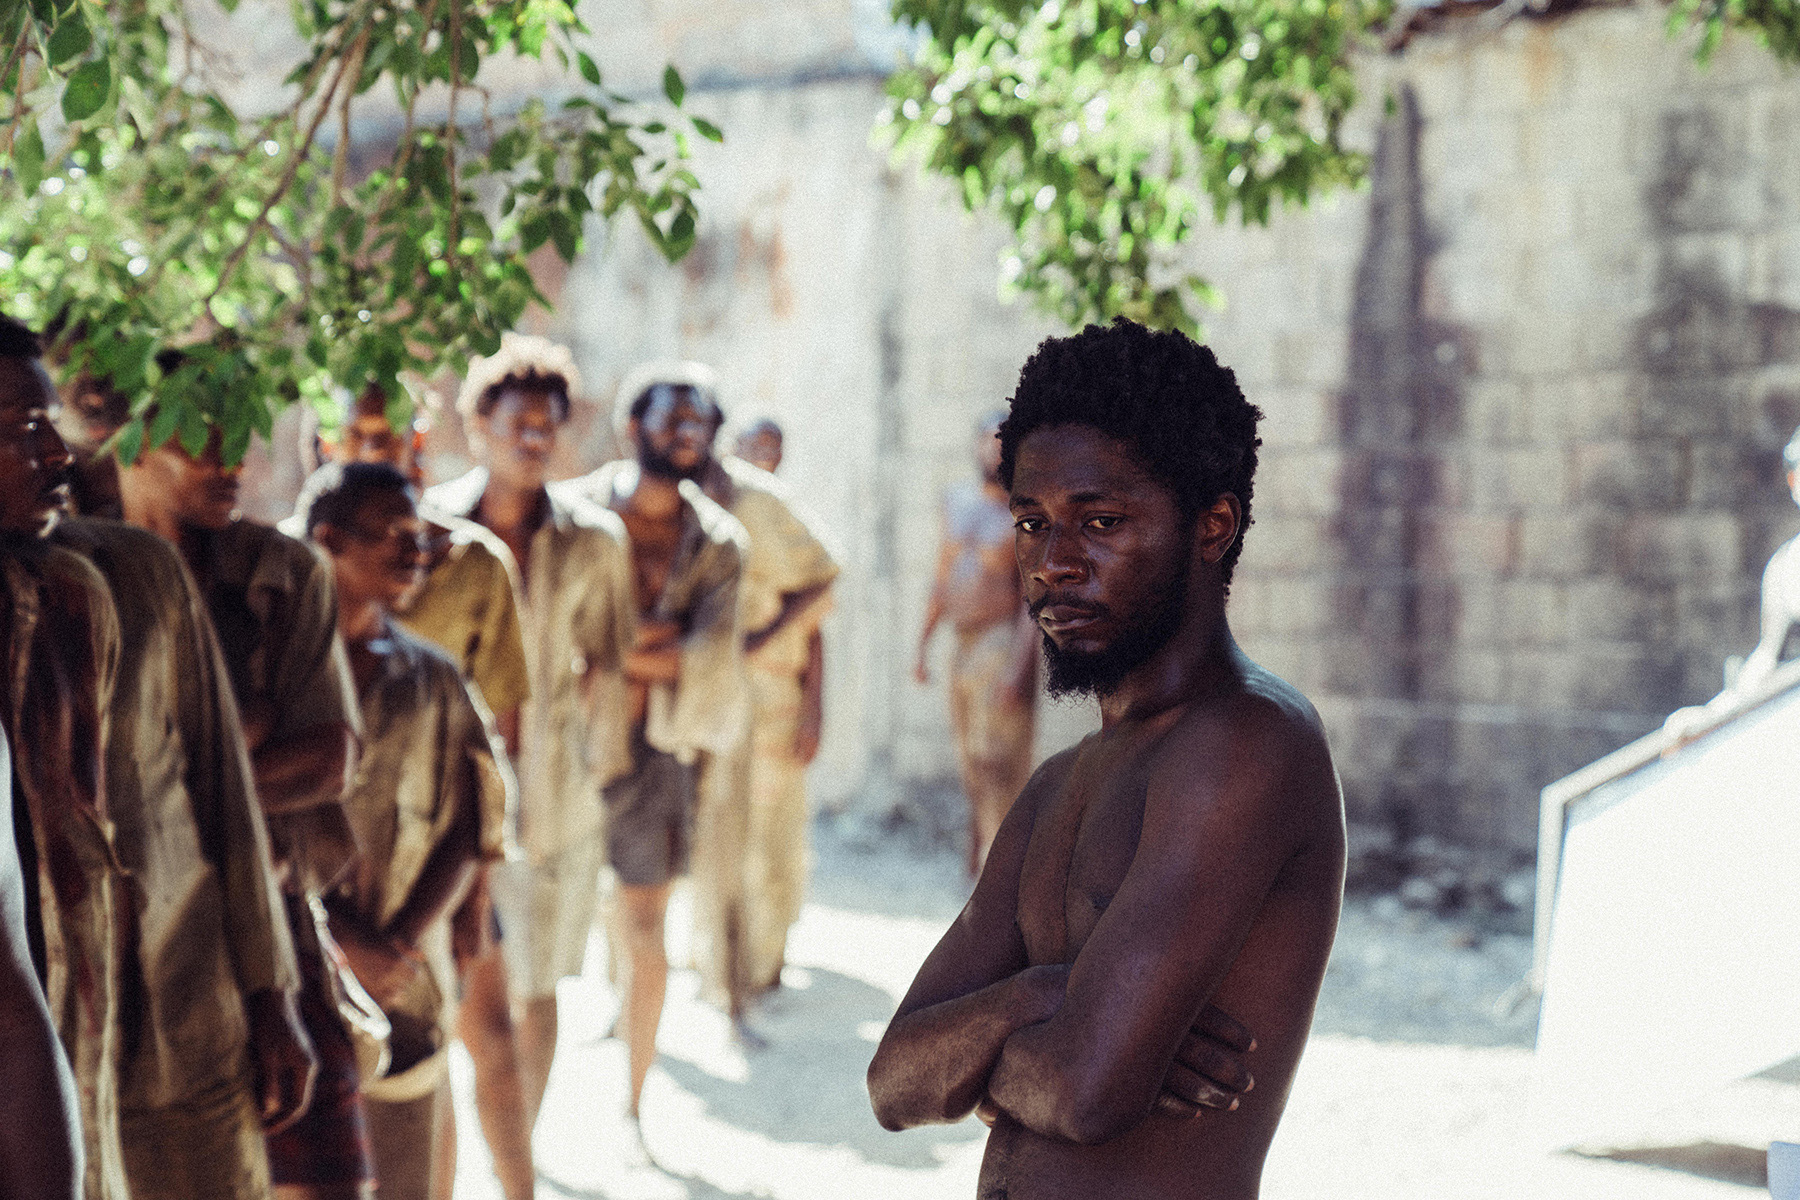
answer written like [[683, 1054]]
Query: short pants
[[546, 909], [650, 817]]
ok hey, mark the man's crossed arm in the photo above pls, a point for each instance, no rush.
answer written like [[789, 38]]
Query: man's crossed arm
[[1085, 1052]]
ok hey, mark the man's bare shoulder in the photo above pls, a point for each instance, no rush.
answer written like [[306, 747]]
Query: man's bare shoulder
[[1258, 742]]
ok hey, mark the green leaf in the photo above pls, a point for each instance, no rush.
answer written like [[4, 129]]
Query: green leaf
[[70, 39], [590, 70], [129, 441], [673, 88], [708, 130], [28, 158], [87, 89]]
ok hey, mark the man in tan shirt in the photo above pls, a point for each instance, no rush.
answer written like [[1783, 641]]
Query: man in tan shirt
[[686, 697], [213, 1049], [579, 624], [467, 604], [273, 608], [428, 803]]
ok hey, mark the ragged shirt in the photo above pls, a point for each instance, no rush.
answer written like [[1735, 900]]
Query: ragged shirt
[[61, 659], [706, 710], [201, 919], [787, 555], [579, 622], [274, 607]]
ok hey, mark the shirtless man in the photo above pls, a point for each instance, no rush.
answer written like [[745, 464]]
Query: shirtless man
[[1187, 856], [993, 678], [685, 699]]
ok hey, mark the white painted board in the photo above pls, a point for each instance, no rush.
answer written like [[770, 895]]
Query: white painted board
[[1673, 964]]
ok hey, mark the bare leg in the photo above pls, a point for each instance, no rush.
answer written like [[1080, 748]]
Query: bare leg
[[646, 977], [443, 1151], [324, 1191], [537, 1047], [486, 1027]]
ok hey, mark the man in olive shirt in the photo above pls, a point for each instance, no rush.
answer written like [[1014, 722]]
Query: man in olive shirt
[[467, 604], [273, 607], [428, 803]]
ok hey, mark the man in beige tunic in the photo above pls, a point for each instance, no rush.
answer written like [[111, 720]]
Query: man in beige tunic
[[686, 693], [212, 1046], [579, 623], [784, 597], [428, 803]]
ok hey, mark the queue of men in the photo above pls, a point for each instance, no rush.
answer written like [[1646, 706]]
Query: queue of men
[[292, 810]]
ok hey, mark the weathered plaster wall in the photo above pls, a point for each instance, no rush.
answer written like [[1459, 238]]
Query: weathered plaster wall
[[1525, 393]]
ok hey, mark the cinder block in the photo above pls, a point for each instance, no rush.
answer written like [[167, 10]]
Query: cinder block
[[1570, 545], [1634, 475], [1683, 545]]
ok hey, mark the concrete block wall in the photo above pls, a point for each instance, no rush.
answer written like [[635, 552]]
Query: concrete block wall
[[1525, 393]]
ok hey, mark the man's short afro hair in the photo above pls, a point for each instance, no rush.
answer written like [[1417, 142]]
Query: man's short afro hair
[[1162, 394], [534, 363], [17, 340]]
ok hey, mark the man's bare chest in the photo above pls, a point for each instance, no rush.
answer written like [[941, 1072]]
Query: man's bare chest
[[1081, 848]]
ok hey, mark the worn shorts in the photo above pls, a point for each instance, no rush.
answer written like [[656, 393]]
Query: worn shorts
[[650, 817], [546, 909], [330, 1143]]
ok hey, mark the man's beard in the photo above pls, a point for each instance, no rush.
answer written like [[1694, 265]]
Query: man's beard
[[655, 462], [1076, 673]]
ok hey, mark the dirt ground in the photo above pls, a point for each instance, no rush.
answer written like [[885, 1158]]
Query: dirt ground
[[1414, 1087]]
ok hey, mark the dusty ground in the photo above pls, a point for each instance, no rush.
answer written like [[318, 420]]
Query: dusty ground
[[1413, 1087]]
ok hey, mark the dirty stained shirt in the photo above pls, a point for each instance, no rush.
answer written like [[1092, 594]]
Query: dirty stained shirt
[[274, 608], [786, 555], [468, 604], [429, 762], [202, 920], [578, 623], [706, 710], [61, 659]]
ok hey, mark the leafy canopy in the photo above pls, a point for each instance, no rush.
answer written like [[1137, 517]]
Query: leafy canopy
[[378, 222], [1107, 132]]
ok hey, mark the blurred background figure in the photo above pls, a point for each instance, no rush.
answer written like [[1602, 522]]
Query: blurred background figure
[[467, 604], [274, 609], [428, 804], [760, 445], [993, 677], [578, 620], [786, 593], [685, 706]]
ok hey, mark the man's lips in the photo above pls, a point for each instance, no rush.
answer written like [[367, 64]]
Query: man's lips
[[1060, 618]]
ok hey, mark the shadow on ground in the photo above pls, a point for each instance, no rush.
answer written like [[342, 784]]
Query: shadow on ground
[[1708, 1160], [807, 1086]]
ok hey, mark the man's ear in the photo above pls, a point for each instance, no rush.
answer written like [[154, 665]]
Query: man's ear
[[1217, 528], [329, 537]]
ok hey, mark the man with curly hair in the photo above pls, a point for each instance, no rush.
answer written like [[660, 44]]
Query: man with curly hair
[[579, 623], [1184, 862]]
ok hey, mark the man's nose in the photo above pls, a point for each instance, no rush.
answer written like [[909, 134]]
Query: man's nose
[[1060, 558], [55, 453]]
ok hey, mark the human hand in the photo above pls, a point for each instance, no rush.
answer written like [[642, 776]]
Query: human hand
[[384, 966], [1210, 1068], [281, 1058], [654, 633]]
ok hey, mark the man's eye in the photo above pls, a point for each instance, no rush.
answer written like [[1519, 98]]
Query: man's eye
[[1028, 524], [1104, 522]]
